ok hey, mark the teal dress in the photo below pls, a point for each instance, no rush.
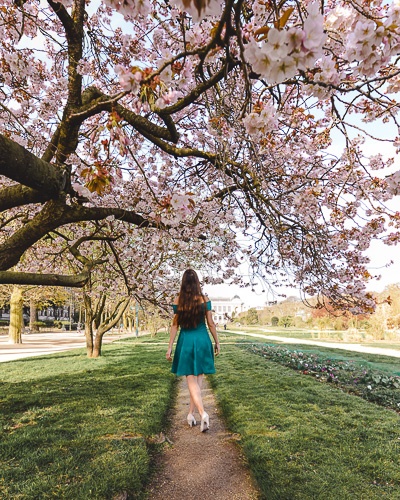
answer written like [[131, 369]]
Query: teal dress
[[194, 353]]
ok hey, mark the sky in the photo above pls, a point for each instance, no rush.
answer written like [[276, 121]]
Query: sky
[[379, 254]]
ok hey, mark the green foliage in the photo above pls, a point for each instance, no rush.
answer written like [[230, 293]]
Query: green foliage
[[286, 321], [274, 321], [76, 428], [43, 324], [251, 317], [48, 322], [303, 439]]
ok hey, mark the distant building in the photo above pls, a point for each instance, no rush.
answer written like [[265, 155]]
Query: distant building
[[224, 308]]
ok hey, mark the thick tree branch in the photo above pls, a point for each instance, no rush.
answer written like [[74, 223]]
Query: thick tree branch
[[100, 305], [56, 214], [21, 166], [80, 213], [114, 319], [63, 16], [69, 132], [94, 101], [51, 216], [18, 195], [16, 278]]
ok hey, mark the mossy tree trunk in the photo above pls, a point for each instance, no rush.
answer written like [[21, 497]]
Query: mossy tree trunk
[[16, 317]]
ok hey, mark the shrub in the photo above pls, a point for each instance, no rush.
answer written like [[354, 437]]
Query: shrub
[[251, 317], [39, 324], [286, 321]]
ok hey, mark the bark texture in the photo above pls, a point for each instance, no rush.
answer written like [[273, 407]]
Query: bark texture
[[16, 317], [33, 316]]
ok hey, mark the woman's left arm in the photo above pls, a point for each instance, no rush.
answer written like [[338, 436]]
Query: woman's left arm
[[213, 330], [172, 334]]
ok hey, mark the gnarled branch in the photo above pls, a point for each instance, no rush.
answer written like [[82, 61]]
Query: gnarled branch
[[17, 278]]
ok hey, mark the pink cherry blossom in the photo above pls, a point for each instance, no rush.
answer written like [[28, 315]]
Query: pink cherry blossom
[[200, 136]]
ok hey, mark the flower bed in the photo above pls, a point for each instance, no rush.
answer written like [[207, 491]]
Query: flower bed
[[354, 377]]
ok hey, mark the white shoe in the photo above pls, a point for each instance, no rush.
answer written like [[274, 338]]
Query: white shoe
[[191, 420], [205, 422]]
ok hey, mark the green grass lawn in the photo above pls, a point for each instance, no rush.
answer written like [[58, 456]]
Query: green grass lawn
[[304, 439], [77, 428], [74, 428], [276, 331], [304, 334]]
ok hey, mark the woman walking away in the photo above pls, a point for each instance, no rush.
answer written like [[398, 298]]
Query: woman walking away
[[194, 355]]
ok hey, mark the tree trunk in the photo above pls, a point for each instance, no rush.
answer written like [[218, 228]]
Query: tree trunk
[[16, 317], [89, 340], [107, 325], [93, 321], [125, 321], [97, 345], [33, 316], [88, 325]]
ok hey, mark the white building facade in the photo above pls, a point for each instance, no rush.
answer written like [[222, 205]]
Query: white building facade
[[224, 309]]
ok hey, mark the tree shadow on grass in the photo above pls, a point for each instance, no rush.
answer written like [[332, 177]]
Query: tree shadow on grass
[[83, 434]]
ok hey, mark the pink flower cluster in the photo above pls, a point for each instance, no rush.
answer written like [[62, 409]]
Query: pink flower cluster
[[129, 78], [286, 51]]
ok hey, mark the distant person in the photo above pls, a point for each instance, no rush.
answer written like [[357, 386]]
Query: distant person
[[224, 326], [194, 356]]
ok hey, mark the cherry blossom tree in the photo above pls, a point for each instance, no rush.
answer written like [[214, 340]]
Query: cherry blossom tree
[[130, 269], [98, 321], [230, 130]]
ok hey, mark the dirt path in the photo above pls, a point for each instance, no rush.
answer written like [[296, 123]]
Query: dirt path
[[201, 466]]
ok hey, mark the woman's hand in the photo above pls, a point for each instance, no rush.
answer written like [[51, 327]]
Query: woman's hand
[[216, 348], [169, 354]]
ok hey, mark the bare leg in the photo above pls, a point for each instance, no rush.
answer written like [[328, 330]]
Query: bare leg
[[195, 394], [192, 406]]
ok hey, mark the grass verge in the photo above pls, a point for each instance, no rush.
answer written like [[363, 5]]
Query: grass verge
[[304, 439], [317, 335], [76, 428]]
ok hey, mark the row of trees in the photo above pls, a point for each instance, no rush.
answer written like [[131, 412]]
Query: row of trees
[[98, 312], [293, 313], [105, 313]]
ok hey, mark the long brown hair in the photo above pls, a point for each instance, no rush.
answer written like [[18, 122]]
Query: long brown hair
[[191, 309]]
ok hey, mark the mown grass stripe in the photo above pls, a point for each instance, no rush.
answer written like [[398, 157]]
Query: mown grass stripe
[[304, 439], [74, 428]]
